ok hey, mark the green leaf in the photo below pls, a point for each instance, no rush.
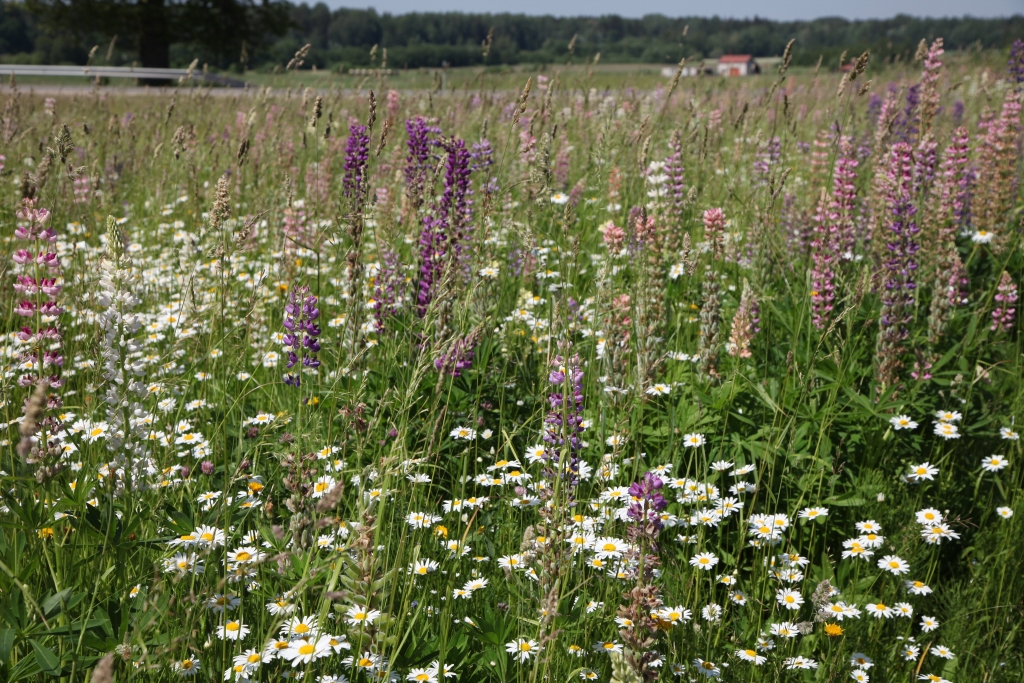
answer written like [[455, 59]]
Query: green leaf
[[48, 661], [6, 643], [52, 604], [848, 499]]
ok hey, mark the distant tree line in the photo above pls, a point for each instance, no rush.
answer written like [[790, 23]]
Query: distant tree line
[[267, 33]]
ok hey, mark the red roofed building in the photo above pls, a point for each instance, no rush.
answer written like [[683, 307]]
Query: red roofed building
[[737, 65]]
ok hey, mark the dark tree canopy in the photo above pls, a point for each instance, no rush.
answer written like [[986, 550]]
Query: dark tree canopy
[[177, 31], [216, 30]]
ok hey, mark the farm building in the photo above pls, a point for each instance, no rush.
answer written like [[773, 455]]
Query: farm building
[[737, 65]]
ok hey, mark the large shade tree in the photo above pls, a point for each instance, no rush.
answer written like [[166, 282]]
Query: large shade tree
[[220, 30]]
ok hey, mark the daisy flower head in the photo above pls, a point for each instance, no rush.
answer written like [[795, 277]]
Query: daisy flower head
[[923, 472], [869, 526], [232, 630], [464, 433], [860, 676], [523, 648], [608, 646], [929, 624], [946, 430], [1009, 434], [751, 656], [658, 390], [1004, 512], [947, 416], [693, 440], [902, 422], [187, 667], [879, 610], [785, 629], [705, 561], [303, 651], [929, 516], [706, 668], [300, 627], [994, 463], [799, 663], [789, 599], [813, 513], [894, 565], [859, 660], [422, 676], [357, 615]]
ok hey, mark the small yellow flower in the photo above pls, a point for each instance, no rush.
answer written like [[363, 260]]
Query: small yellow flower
[[833, 630], [46, 532], [441, 530]]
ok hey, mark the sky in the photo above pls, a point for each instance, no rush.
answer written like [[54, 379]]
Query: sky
[[784, 10]]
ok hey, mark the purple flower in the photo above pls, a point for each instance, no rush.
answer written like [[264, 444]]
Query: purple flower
[[447, 225], [647, 503], [1015, 67], [300, 314], [901, 265], [357, 153], [565, 422]]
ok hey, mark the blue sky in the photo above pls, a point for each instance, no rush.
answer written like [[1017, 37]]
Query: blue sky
[[770, 9]]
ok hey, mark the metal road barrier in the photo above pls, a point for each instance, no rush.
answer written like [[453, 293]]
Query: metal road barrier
[[117, 72]]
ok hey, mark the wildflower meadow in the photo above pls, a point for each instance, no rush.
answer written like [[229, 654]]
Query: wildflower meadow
[[717, 379]]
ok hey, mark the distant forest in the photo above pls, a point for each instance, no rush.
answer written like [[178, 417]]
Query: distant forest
[[40, 32]]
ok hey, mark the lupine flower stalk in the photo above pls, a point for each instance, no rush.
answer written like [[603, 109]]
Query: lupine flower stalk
[[389, 287], [123, 366], [1006, 302], [711, 312], [674, 169], [38, 284], [1015, 66], [901, 266], [824, 257], [997, 166], [946, 215], [443, 230], [417, 163], [564, 422], [355, 184], [844, 197], [458, 356], [302, 336], [930, 85], [744, 323]]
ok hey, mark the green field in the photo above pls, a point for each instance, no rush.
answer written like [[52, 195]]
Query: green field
[[580, 373]]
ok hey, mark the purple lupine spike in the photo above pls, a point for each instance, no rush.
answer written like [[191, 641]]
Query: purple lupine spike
[[459, 357], [1015, 67], [417, 163], [481, 156], [448, 226], [560, 423], [300, 315], [824, 256], [390, 286], [357, 154], [1006, 302], [844, 197], [905, 126], [900, 264], [647, 503], [674, 169]]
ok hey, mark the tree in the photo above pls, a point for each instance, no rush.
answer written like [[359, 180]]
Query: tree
[[217, 29]]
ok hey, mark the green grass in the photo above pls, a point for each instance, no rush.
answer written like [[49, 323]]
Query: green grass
[[316, 483]]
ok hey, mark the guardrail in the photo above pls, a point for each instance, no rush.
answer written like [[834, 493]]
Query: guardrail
[[117, 72]]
